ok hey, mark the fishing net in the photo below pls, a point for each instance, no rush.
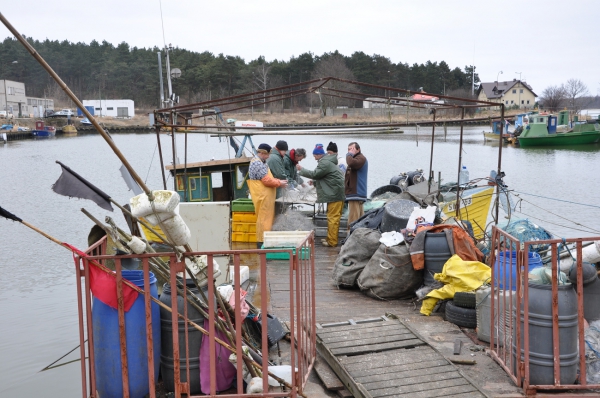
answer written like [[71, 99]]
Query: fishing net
[[526, 231], [292, 220]]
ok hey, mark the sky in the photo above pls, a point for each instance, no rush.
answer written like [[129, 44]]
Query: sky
[[544, 43]]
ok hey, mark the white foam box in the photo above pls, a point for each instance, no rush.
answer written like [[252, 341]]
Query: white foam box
[[283, 238], [244, 273]]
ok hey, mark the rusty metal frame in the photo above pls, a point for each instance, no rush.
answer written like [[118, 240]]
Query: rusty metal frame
[[502, 351], [302, 317]]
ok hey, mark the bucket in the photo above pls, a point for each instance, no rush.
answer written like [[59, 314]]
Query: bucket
[[105, 322], [541, 350], [505, 268], [194, 340], [437, 252]]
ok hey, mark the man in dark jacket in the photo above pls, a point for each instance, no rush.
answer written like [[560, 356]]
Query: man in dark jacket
[[356, 182], [330, 189], [276, 163]]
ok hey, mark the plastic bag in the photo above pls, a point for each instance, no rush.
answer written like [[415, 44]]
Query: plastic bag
[[457, 276]]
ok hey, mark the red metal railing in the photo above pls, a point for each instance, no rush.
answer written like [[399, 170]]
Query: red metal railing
[[511, 334], [301, 318]]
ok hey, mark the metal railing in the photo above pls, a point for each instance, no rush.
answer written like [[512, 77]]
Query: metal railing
[[301, 319], [533, 369]]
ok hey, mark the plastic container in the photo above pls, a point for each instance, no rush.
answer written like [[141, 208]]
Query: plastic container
[[164, 202], [107, 360], [238, 226], [242, 204], [505, 268], [541, 350], [243, 216], [285, 256], [463, 176], [243, 237], [501, 328], [437, 252], [396, 215], [167, 368]]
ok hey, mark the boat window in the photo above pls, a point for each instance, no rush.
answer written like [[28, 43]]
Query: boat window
[[217, 180], [241, 172]]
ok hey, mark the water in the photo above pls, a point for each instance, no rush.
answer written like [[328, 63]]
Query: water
[[38, 300]]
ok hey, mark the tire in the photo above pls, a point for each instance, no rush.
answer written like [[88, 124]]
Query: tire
[[465, 299], [463, 317]]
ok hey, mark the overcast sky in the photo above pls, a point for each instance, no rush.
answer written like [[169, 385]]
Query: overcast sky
[[548, 42]]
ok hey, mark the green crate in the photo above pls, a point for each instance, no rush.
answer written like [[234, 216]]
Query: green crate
[[243, 204], [285, 256]]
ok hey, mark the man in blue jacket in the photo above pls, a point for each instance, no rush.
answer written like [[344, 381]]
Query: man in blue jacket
[[355, 182]]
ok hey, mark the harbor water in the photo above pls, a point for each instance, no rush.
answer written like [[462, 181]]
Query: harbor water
[[38, 297]]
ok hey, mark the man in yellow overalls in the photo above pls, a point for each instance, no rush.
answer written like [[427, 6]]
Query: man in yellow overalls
[[263, 189]]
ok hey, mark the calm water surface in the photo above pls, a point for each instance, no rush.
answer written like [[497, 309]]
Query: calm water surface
[[38, 309]]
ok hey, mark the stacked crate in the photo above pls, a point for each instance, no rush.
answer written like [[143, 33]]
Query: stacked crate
[[243, 225]]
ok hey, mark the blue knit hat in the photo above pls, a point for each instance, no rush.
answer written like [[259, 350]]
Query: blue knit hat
[[319, 150]]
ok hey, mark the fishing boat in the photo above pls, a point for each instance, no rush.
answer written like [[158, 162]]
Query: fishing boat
[[69, 129], [86, 122], [474, 206], [41, 130], [542, 131], [494, 135]]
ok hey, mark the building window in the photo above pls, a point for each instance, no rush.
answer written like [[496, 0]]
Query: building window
[[521, 91], [11, 90], [522, 102], [506, 102], [512, 102], [110, 109], [99, 109], [514, 91], [528, 102]]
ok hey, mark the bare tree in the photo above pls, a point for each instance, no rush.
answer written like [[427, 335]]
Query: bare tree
[[261, 79], [575, 89], [333, 66], [553, 97]]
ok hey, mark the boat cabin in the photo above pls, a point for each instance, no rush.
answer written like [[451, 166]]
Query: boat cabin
[[212, 181], [548, 120]]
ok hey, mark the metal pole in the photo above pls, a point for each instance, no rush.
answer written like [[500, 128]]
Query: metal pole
[[460, 148], [78, 103], [431, 155], [160, 76], [169, 78], [162, 166], [5, 100], [499, 161]]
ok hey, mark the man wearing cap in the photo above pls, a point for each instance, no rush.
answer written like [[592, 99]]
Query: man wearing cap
[[276, 163], [262, 186], [329, 183], [356, 182], [332, 149]]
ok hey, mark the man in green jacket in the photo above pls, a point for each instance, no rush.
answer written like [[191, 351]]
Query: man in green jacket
[[329, 183], [276, 163], [290, 160]]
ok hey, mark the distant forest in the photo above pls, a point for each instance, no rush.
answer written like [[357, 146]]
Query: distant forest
[[102, 70]]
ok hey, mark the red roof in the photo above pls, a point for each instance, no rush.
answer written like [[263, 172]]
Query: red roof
[[423, 97]]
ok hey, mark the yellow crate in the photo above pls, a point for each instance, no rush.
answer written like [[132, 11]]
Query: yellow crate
[[238, 226], [243, 237], [244, 216]]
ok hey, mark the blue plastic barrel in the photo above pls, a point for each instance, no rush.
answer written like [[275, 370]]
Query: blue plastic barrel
[[105, 321], [505, 268]]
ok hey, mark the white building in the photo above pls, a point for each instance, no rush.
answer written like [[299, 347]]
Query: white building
[[122, 108]]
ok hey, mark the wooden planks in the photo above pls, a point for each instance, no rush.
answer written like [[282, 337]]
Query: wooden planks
[[386, 359]]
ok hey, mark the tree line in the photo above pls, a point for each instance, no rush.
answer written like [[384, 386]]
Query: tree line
[[102, 70], [573, 95]]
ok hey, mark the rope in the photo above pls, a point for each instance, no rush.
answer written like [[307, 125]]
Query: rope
[[559, 200]]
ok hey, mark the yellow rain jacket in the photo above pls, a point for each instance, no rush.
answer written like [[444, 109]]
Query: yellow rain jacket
[[457, 276], [263, 189]]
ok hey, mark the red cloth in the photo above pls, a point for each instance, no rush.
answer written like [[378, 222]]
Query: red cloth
[[103, 283]]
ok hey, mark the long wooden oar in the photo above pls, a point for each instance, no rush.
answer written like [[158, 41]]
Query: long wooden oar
[[4, 213]]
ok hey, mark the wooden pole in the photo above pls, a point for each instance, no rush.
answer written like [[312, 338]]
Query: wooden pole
[[74, 98]]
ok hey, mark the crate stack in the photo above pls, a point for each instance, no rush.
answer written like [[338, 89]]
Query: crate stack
[[243, 225]]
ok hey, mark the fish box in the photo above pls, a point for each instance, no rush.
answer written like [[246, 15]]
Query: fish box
[[244, 216], [242, 204], [243, 237], [286, 256]]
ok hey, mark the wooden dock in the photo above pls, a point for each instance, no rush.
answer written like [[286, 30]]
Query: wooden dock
[[385, 358]]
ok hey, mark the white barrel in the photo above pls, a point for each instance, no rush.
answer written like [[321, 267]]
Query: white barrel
[[164, 202], [176, 230]]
